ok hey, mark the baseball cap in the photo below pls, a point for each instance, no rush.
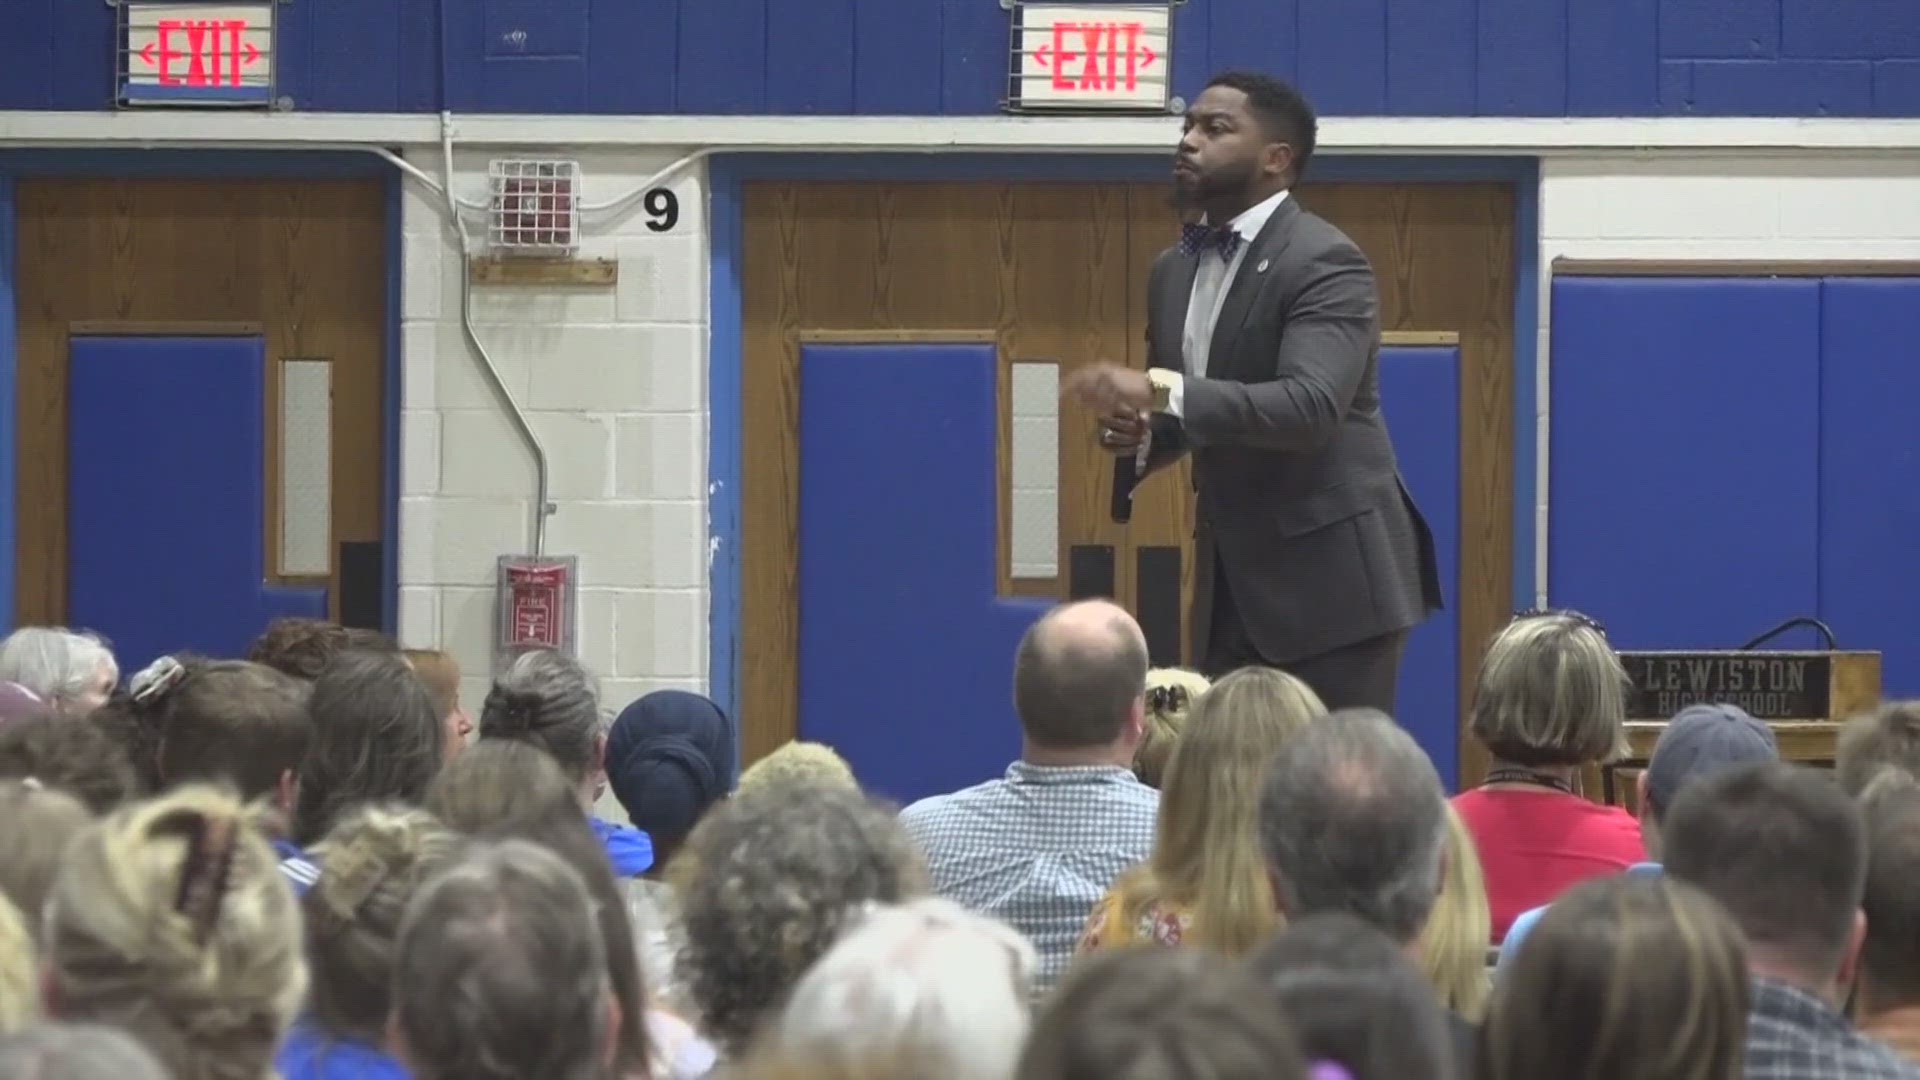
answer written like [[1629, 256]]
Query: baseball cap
[[1703, 739]]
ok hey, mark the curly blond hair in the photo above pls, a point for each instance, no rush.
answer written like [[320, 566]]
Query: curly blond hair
[[171, 920]]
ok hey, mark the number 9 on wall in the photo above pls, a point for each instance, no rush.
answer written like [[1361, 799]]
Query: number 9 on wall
[[663, 209]]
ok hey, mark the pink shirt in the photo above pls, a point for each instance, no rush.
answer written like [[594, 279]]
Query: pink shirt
[[1534, 845]]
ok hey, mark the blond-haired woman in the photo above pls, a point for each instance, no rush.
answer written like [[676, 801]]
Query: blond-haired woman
[[1206, 881], [1171, 693], [1550, 700], [171, 920], [371, 865], [1629, 975], [1453, 946]]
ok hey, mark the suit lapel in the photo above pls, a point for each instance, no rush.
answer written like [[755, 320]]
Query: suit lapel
[[1171, 317], [1247, 282]]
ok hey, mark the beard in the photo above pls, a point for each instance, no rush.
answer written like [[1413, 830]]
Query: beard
[[1200, 189]]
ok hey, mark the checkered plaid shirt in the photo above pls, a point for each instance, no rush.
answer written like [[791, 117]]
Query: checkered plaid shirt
[[1792, 1035], [1037, 848]]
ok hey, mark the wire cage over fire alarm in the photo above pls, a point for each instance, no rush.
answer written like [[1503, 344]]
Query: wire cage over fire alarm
[[534, 207]]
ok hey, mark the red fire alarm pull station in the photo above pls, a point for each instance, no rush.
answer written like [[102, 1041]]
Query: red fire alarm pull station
[[536, 598]]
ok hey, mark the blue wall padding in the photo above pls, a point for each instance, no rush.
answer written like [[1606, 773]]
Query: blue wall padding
[[165, 508], [1870, 471], [1420, 392], [931, 57], [1685, 459], [906, 656]]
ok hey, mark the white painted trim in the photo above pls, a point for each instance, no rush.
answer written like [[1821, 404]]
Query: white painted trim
[[1372, 135]]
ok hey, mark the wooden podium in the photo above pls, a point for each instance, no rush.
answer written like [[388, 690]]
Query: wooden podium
[[1803, 695]]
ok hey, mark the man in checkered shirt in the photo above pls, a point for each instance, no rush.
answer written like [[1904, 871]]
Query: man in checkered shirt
[[1784, 850], [1037, 847]]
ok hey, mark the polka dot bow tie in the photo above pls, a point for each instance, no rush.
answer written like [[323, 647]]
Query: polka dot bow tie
[[1195, 239]]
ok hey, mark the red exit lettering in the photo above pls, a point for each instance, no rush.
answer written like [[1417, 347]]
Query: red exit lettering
[[213, 52], [1095, 56]]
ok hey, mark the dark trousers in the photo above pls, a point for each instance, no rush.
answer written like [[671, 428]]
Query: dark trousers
[[1364, 674]]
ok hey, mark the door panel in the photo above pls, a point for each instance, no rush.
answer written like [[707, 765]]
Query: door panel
[[1057, 272], [303, 260], [161, 512]]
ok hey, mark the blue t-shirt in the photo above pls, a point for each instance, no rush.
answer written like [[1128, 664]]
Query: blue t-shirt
[[1523, 923], [308, 1053], [300, 871], [629, 849]]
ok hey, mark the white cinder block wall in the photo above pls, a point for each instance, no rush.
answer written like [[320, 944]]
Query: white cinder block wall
[[614, 381], [1768, 207]]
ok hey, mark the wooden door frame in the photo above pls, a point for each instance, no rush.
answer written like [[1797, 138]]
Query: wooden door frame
[[728, 174], [225, 165]]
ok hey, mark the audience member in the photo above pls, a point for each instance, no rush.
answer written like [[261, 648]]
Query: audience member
[[799, 762], [670, 756], [1038, 847], [1887, 994], [441, 673], [376, 738], [70, 755], [299, 647], [72, 672], [171, 921], [1160, 1014], [546, 699], [1206, 881], [1625, 976], [496, 782], [1453, 945], [372, 863], [1784, 850], [1353, 819], [1699, 741], [39, 823], [1885, 739], [75, 1052], [925, 989], [1171, 693], [1550, 700], [1352, 999], [773, 876], [512, 927]]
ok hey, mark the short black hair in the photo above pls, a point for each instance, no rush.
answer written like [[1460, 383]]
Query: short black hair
[[1073, 695], [1281, 109], [1782, 848]]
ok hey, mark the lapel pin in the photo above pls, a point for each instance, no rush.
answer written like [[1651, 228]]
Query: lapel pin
[[1262, 268]]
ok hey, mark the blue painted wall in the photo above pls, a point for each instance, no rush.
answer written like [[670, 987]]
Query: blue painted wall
[[1730, 453], [925, 57]]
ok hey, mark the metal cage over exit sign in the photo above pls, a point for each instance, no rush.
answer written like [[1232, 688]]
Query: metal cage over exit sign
[[195, 55], [1095, 58]]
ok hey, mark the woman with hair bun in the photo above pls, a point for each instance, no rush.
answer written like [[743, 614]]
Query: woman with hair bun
[[547, 700], [371, 865]]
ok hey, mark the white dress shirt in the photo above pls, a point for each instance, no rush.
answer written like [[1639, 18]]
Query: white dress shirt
[[1210, 283], [1211, 280]]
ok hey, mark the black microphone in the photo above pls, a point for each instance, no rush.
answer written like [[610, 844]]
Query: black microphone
[[1124, 477]]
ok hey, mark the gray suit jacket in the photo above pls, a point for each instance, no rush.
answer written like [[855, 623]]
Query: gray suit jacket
[[1299, 499]]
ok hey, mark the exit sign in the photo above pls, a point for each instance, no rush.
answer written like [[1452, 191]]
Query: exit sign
[[1090, 58], [206, 54]]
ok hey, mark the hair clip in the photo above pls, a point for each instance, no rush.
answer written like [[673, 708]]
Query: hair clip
[[1328, 1070], [204, 874], [154, 680], [1164, 699]]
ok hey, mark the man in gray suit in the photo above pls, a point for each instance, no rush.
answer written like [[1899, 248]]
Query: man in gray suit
[[1263, 336]]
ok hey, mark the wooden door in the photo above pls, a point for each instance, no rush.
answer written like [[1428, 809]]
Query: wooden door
[[1057, 271], [299, 266]]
